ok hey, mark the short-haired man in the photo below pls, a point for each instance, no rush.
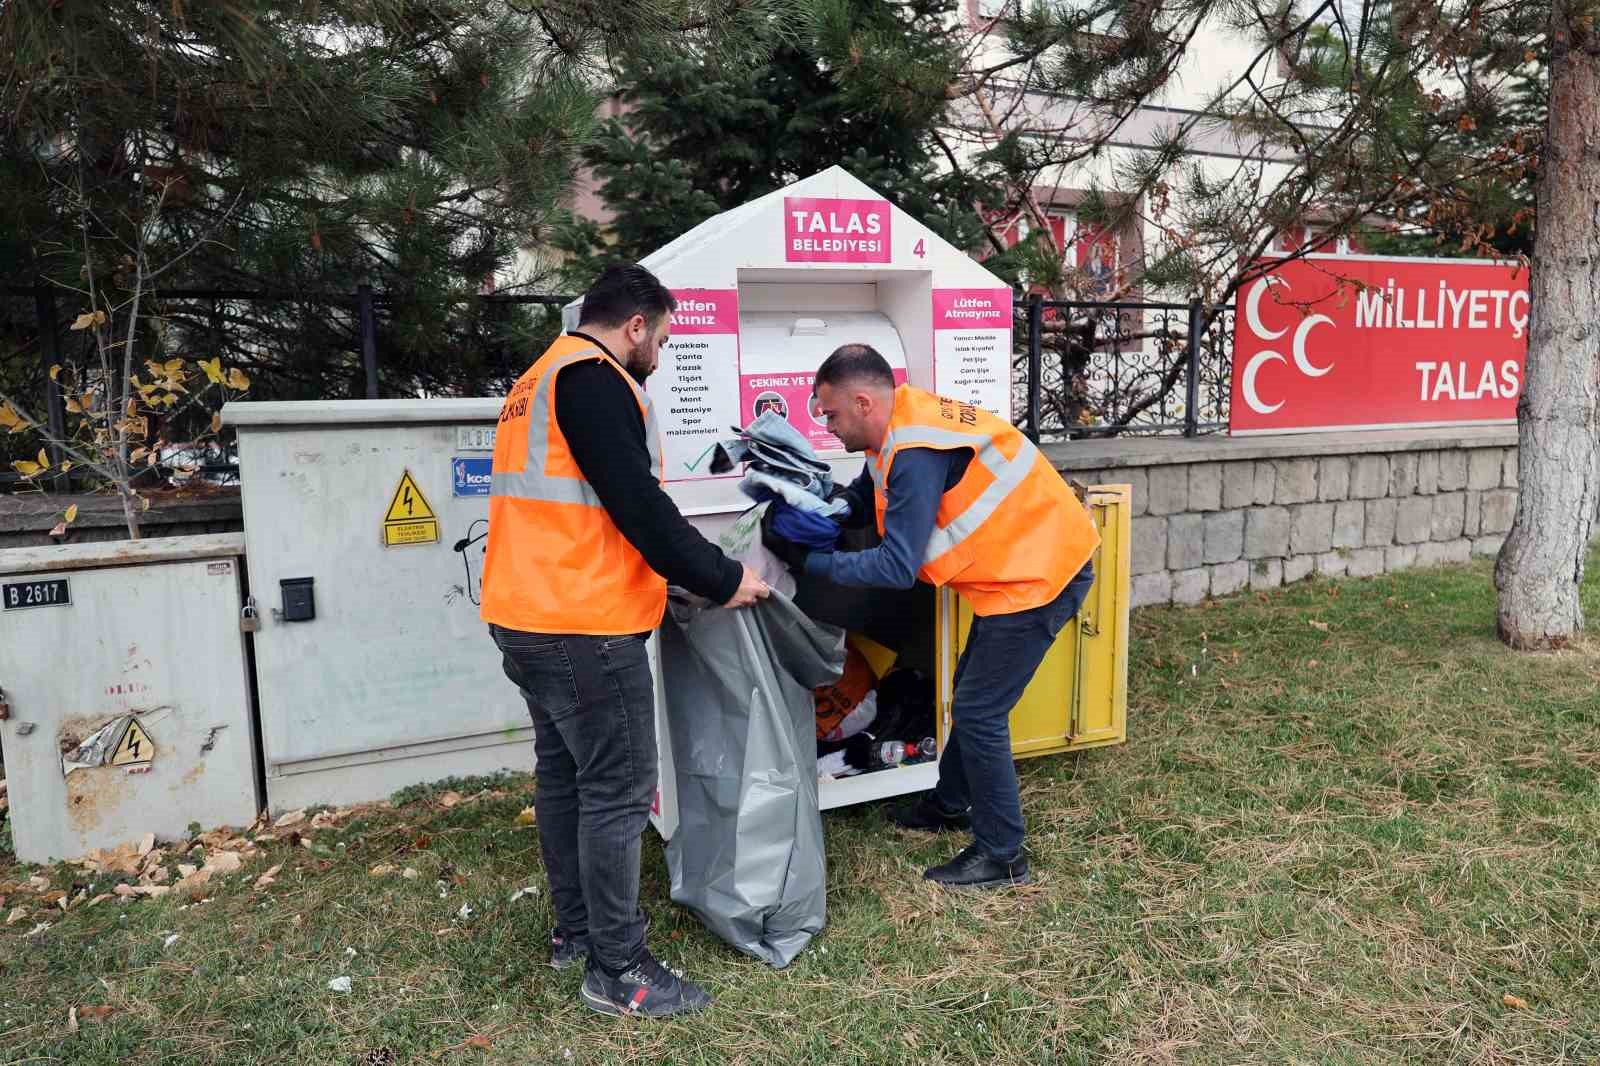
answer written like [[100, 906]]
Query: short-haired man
[[582, 543], [961, 498]]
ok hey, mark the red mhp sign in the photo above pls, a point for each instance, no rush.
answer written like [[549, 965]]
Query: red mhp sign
[[1378, 342]]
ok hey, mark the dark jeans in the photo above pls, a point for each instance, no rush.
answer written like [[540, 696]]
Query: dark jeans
[[593, 708], [976, 768]]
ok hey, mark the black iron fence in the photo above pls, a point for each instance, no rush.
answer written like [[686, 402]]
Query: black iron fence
[[1080, 369], [1088, 369], [293, 344]]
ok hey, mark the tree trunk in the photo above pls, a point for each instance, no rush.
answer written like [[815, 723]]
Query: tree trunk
[[1540, 571], [130, 511]]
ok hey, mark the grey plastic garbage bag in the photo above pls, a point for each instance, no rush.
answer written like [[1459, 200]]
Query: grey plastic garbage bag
[[747, 856]]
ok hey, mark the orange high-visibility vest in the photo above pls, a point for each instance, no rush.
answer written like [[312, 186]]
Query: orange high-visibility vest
[[555, 562], [1010, 534]]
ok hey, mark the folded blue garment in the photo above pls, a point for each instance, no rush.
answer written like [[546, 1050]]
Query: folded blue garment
[[805, 528]]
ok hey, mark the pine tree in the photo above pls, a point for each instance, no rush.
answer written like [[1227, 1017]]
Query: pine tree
[[699, 136], [302, 147], [314, 145]]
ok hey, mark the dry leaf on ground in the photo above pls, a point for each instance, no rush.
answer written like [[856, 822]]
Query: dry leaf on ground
[[224, 862]]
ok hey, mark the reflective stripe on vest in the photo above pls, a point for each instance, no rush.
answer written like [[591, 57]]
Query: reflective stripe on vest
[[533, 482], [1008, 475]]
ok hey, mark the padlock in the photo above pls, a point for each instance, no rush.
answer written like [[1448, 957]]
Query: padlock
[[249, 620], [5, 708]]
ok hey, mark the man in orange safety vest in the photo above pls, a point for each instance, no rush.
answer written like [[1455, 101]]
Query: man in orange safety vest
[[961, 499]]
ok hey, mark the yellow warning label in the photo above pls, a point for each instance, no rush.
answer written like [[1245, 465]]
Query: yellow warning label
[[409, 520], [408, 504], [410, 532], [135, 747]]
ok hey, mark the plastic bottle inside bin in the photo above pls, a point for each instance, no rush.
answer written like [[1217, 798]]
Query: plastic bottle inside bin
[[924, 750], [866, 753]]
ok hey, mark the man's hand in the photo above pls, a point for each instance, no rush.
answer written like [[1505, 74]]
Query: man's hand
[[751, 589], [846, 517]]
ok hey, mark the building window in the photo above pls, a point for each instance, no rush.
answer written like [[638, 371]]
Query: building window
[[1094, 252], [1294, 239]]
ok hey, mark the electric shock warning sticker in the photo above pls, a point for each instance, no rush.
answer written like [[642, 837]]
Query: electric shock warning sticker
[[409, 519]]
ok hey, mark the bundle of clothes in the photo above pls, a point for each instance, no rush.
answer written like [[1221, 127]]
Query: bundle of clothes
[[783, 466]]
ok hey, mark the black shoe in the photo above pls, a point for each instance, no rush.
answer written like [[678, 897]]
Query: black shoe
[[647, 990], [973, 869], [566, 950], [925, 812]]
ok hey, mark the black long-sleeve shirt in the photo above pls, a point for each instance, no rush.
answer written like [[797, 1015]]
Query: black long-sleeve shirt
[[605, 431]]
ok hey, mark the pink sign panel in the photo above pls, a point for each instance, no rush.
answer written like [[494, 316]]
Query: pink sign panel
[[790, 396], [821, 230], [972, 309], [706, 311]]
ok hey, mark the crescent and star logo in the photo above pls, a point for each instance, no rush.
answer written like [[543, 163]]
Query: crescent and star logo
[[1297, 347]]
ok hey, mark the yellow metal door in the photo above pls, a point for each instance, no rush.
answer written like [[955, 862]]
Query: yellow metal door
[[1078, 698]]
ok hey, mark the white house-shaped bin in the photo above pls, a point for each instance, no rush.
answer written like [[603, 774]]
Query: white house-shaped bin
[[765, 293], [767, 290]]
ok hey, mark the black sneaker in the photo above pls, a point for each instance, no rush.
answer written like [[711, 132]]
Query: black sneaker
[[566, 950], [926, 812], [647, 990], [973, 869]]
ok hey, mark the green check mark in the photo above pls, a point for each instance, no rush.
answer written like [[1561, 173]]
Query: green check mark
[[690, 466]]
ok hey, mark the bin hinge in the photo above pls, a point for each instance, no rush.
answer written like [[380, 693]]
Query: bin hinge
[[1087, 624]]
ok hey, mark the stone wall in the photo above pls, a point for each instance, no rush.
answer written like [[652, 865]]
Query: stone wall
[[26, 518], [1216, 515]]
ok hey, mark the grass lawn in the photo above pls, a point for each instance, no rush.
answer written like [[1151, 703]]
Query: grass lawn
[[1346, 827]]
